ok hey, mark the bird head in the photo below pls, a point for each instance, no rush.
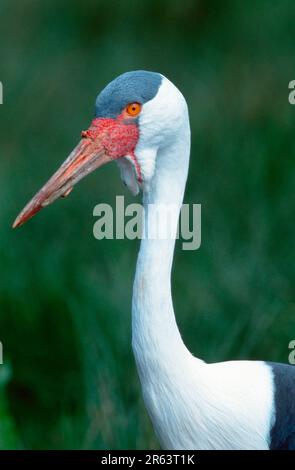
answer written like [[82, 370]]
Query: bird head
[[135, 115]]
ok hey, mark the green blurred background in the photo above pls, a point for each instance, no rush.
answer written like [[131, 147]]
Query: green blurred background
[[69, 380]]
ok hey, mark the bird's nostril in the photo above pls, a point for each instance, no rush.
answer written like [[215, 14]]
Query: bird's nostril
[[85, 134]]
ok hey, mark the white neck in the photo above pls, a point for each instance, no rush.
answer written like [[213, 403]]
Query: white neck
[[155, 336], [193, 405]]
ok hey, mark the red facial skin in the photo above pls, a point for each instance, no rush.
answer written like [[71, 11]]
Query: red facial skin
[[105, 140], [117, 136]]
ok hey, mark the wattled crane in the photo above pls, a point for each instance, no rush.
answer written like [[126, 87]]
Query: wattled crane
[[141, 121]]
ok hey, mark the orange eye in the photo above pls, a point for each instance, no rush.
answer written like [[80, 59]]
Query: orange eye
[[133, 109]]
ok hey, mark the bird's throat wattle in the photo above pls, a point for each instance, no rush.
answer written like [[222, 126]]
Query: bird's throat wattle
[[118, 137]]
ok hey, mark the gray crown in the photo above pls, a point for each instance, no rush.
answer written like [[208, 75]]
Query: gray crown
[[138, 86]]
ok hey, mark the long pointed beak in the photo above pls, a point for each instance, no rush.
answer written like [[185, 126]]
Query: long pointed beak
[[85, 158]]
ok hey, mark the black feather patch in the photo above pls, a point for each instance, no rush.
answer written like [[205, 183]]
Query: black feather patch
[[282, 435]]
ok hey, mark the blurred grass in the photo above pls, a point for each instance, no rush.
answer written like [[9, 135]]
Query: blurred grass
[[8, 435], [65, 298]]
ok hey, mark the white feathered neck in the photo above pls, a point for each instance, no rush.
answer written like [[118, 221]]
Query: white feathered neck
[[193, 405]]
